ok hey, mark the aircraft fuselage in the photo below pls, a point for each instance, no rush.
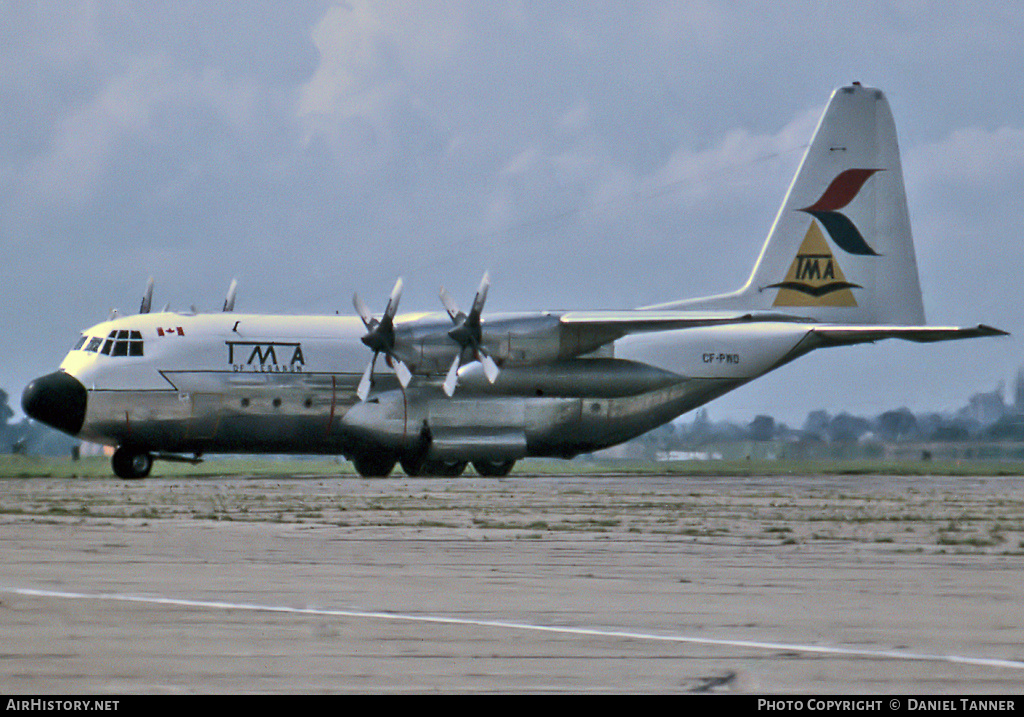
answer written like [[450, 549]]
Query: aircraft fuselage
[[227, 383]]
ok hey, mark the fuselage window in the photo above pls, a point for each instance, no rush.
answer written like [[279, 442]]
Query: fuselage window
[[80, 343], [94, 344]]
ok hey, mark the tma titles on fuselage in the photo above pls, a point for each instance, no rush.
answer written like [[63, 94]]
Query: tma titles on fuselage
[[263, 356], [437, 391]]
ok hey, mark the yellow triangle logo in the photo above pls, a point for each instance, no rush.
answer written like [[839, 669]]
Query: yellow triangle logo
[[814, 277]]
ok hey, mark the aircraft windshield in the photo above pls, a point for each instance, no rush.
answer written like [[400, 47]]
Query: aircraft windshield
[[117, 343], [123, 343]]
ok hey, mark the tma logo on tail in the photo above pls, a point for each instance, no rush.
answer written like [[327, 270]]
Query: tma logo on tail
[[814, 278]]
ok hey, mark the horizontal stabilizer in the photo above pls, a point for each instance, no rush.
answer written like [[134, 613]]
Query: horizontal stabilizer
[[847, 335]]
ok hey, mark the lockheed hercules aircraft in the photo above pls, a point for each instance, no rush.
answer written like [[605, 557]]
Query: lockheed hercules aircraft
[[434, 392]]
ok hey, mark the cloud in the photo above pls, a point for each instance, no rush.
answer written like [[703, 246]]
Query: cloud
[[729, 167], [84, 143], [369, 84], [962, 189], [600, 155], [988, 160]]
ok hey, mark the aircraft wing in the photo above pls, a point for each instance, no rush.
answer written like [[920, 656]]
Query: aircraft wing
[[598, 327], [642, 321]]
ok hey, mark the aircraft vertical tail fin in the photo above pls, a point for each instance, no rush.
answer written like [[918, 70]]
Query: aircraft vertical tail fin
[[840, 249]]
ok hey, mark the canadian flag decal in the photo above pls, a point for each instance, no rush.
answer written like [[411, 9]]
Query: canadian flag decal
[[173, 331]]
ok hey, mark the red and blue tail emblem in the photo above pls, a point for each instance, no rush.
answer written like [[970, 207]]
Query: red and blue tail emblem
[[841, 192]]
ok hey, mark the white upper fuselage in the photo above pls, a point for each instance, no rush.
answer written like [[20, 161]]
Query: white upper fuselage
[[274, 344], [218, 343]]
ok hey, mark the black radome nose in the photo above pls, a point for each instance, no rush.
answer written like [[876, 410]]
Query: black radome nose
[[57, 400]]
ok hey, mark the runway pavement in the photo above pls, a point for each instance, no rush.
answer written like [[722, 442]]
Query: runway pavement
[[807, 584]]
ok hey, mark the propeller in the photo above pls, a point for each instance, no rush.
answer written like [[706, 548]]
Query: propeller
[[468, 335], [380, 338]]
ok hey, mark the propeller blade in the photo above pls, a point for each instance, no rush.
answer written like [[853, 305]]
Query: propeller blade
[[402, 371], [229, 300], [362, 309], [363, 390], [490, 368], [481, 295], [147, 298], [450, 306], [452, 377], [396, 296]]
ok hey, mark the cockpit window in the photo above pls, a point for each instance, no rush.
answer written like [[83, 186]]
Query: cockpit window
[[118, 343], [122, 343]]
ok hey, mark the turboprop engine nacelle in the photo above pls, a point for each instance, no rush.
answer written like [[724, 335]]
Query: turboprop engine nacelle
[[519, 340]]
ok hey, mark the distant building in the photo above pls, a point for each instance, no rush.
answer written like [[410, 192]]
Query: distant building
[[985, 408]]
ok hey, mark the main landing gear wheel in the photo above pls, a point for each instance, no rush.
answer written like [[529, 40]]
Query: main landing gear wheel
[[131, 463], [412, 465], [434, 469], [444, 469], [494, 469], [374, 465]]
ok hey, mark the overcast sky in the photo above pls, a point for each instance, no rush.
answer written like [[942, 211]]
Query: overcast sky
[[590, 155]]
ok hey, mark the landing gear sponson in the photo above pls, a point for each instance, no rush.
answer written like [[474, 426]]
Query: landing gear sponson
[[381, 465]]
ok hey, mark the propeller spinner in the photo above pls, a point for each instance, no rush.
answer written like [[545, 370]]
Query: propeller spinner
[[380, 338], [468, 334]]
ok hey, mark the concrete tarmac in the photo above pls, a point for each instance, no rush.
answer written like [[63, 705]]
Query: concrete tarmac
[[810, 585]]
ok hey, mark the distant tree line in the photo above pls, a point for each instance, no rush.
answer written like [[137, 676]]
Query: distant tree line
[[894, 427], [28, 437]]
